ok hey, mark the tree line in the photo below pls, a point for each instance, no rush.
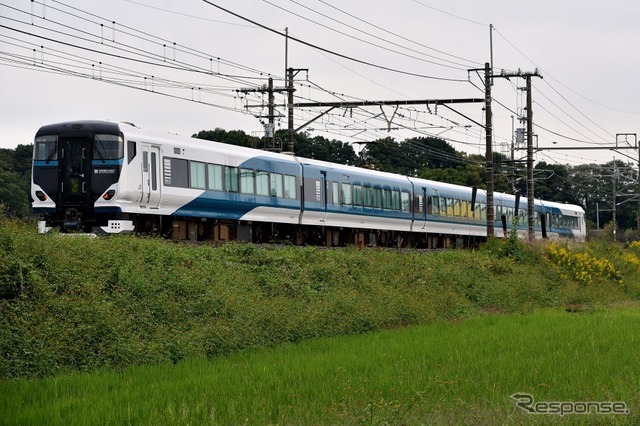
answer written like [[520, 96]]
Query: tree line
[[588, 185]]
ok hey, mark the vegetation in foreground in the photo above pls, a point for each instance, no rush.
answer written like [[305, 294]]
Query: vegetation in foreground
[[77, 304], [444, 373]]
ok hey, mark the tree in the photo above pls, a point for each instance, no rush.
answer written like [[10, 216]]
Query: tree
[[15, 180]]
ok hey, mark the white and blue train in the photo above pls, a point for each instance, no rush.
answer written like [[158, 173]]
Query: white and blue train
[[115, 177]]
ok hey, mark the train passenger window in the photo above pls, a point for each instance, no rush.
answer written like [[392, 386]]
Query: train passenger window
[[443, 206], [346, 194], [276, 185], [131, 151], [386, 199], [108, 147], [231, 179], [196, 175], [246, 181], [435, 204], [45, 149], [335, 190], [464, 208], [456, 208], [377, 198], [368, 196], [405, 202], [214, 174], [395, 200], [262, 183], [290, 190], [357, 195]]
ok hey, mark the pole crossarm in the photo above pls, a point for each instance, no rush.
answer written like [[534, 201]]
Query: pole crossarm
[[378, 103]]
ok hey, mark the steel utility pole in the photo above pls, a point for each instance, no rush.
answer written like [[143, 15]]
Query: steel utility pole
[[531, 214], [489, 150]]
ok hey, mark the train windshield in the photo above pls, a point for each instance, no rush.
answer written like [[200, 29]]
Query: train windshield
[[45, 148], [108, 147]]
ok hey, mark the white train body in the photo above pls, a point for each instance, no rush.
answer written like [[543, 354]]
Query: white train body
[[117, 177]]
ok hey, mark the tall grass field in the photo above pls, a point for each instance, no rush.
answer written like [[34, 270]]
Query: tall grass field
[[145, 318]]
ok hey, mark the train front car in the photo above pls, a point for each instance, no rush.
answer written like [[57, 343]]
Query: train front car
[[74, 165]]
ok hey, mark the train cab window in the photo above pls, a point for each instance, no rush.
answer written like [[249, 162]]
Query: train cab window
[[367, 193], [196, 175], [108, 147], [246, 181], [45, 148], [290, 190], [405, 201], [214, 177], [346, 194], [357, 195], [386, 199], [262, 183], [131, 151], [276, 185], [231, 179]]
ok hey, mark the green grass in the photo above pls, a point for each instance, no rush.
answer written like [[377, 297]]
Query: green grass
[[450, 372]]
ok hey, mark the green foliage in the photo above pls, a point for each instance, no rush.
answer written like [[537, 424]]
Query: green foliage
[[15, 180], [77, 303]]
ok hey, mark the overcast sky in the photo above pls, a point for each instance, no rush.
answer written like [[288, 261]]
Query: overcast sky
[[67, 60]]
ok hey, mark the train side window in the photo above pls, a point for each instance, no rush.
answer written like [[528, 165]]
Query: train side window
[[464, 208], [214, 175], [246, 181], [386, 199], [262, 183], [443, 206], [368, 196], [395, 200], [405, 201], [335, 192], [276, 185], [346, 194], [290, 190], [435, 205], [231, 179], [357, 195], [197, 175], [131, 151], [377, 198]]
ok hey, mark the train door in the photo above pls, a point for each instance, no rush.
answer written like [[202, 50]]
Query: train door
[[150, 176], [75, 172]]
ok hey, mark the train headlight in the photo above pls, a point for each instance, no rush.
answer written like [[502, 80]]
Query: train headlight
[[41, 196], [109, 194]]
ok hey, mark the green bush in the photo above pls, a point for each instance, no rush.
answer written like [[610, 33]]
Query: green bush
[[79, 303]]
